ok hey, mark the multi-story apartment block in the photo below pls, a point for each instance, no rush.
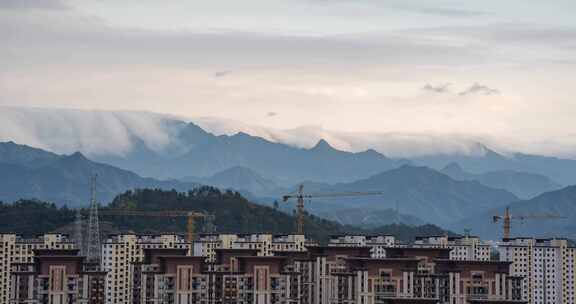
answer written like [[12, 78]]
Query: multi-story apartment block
[[15, 249], [119, 252], [207, 244], [266, 268], [547, 268], [57, 276], [265, 243], [324, 275], [464, 248], [376, 243], [239, 276]]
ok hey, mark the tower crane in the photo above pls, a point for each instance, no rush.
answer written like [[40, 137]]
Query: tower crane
[[507, 219], [190, 215], [300, 196]]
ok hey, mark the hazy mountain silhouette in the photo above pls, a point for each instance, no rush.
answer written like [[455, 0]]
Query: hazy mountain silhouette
[[368, 218], [65, 179], [204, 154], [421, 192], [483, 160], [523, 184], [240, 179], [558, 203]]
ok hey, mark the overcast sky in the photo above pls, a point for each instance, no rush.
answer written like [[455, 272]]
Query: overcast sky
[[492, 68]]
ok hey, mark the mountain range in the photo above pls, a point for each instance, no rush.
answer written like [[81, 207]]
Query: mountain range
[[522, 184], [241, 179], [562, 171], [204, 154], [427, 195], [555, 212], [421, 192], [408, 194], [370, 218], [27, 173]]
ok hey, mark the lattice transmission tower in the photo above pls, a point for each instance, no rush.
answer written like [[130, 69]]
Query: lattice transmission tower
[[93, 249]]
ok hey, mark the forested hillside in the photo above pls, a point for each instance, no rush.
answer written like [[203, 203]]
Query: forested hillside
[[233, 214]]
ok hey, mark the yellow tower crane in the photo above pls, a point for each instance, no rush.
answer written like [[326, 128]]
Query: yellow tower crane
[[190, 215], [507, 219], [300, 196]]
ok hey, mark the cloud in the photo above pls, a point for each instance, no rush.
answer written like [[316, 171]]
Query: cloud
[[222, 74], [91, 132], [449, 12], [103, 133], [474, 89], [33, 4], [86, 41], [405, 6], [439, 89], [479, 89]]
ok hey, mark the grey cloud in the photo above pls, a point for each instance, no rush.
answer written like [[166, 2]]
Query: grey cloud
[[101, 133], [404, 6], [439, 89], [449, 12], [114, 133], [221, 74], [91, 132], [479, 89], [507, 34], [73, 40], [33, 4]]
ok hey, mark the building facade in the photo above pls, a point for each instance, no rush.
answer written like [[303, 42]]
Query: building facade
[[546, 266], [324, 275], [120, 252], [14, 249], [57, 276], [464, 248], [265, 243], [376, 243], [266, 268]]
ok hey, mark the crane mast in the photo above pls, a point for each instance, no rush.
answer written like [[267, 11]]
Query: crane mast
[[300, 196], [507, 220]]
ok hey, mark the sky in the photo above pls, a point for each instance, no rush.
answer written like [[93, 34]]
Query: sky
[[498, 71]]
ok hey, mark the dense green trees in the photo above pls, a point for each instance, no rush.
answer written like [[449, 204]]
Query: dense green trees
[[32, 217], [233, 213]]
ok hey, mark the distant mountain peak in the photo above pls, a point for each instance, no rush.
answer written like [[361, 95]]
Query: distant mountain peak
[[323, 145], [237, 170], [483, 150], [192, 126], [453, 167], [372, 152], [76, 156], [242, 134]]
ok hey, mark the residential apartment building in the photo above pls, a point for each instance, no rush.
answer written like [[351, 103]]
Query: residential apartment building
[[238, 276], [119, 252], [376, 243], [265, 243], [324, 275], [15, 249], [266, 268], [57, 276], [464, 248], [547, 268]]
